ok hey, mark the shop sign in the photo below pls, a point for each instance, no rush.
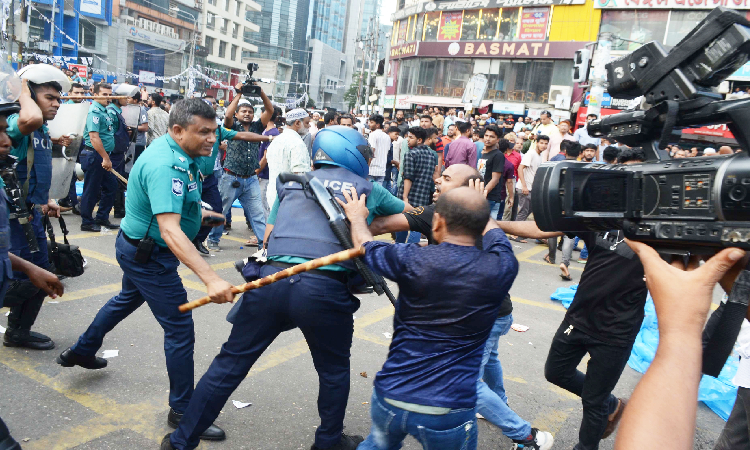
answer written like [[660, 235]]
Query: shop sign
[[402, 102], [509, 49], [615, 103], [404, 50], [718, 130], [80, 69], [146, 77], [457, 5], [450, 26], [533, 24], [670, 4], [509, 108], [155, 39], [475, 90]]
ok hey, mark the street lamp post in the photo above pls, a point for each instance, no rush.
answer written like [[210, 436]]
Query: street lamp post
[[189, 92]]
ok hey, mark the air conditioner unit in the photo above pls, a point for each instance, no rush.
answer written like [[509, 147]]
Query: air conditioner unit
[[564, 92], [129, 20], [140, 23], [161, 29]]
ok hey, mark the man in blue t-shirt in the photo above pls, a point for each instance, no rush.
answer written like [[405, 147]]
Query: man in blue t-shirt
[[444, 315]]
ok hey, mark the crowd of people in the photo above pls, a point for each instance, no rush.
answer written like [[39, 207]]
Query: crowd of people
[[462, 183]]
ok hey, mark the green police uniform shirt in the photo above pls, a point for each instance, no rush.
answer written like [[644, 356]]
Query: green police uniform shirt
[[99, 121], [113, 110], [207, 164], [20, 141], [163, 180]]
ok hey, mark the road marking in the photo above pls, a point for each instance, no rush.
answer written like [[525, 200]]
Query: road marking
[[114, 416], [87, 235], [368, 319], [552, 306], [84, 293], [531, 252], [99, 256], [551, 421]]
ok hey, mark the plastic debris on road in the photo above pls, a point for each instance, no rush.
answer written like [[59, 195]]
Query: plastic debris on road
[[239, 405], [520, 328], [110, 353]]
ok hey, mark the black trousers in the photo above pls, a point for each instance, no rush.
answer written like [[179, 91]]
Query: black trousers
[[6, 440], [736, 433], [595, 386]]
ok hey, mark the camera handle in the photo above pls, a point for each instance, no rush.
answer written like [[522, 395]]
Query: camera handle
[[720, 338]]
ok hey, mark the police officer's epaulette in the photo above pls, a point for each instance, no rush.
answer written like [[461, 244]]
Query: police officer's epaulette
[[180, 163]]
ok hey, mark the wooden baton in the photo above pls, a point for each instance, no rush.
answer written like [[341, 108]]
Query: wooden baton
[[117, 174], [94, 97], [286, 273]]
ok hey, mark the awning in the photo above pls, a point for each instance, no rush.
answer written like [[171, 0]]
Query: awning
[[440, 101]]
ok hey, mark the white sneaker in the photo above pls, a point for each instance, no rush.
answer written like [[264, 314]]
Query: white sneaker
[[541, 440]]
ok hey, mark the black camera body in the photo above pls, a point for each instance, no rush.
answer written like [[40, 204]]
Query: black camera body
[[249, 88], [696, 203], [691, 204]]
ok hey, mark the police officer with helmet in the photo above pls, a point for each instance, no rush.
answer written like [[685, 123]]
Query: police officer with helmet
[[40, 278], [42, 85], [163, 215], [317, 302]]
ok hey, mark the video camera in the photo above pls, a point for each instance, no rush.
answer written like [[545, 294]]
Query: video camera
[[691, 204], [250, 89], [681, 207]]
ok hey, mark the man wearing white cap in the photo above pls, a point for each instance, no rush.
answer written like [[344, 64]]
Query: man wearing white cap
[[288, 152]]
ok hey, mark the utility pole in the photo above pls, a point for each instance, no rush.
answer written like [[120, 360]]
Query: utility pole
[[365, 48], [599, 74], [373, 41]]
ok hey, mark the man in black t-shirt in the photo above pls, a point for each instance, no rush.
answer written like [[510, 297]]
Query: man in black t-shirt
[[603, 321], [491, 400], [491, 165]]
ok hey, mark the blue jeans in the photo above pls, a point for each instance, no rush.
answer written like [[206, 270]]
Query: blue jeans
[[390, 181], [492, 402], [96, 182], [158, 284], [249, 194], [496, 209], [456, 430], [378, 180], [210, 195], [408, 237]]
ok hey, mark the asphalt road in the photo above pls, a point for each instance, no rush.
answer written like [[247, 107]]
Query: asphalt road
[[125, 405]]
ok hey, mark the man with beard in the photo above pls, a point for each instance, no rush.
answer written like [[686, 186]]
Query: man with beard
[[239, 180], [401, 123], [589, 153], [288, 152]]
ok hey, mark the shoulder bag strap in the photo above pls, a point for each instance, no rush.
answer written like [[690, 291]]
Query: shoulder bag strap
[[50, 231], [29, 165], [63, 229]]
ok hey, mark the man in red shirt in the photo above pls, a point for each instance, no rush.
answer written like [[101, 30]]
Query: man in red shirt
[[513, 155]]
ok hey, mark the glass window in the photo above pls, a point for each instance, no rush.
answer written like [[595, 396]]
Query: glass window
[[234, 52], [426, 80], [87, 34], [417, 34], [470, 25], [488, 24], [460, 72], [524, 81], [407, 76], [680, 24], [222, 49], [402, 32], [508, 24], [638, 26], [431, 25]]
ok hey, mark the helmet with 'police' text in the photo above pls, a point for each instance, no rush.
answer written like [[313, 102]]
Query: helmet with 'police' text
[[344, 147]]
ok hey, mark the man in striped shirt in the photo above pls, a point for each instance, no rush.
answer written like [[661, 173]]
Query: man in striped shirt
[[381, 144]]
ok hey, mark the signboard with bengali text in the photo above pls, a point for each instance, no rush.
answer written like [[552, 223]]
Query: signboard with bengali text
[[670, 4], [533, 24], [450, 26]]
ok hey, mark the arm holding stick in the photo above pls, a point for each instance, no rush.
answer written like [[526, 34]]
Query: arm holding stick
[[299, 268]]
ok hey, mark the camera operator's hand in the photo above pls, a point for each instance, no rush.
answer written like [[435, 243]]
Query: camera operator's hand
[[682, 298], [238, 88]]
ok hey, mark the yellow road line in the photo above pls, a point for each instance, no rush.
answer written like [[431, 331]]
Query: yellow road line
[[531, 252], [552, 420], [99, 256], [552, 306]]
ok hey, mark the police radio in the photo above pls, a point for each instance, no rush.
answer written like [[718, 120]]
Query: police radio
[[17, 204]]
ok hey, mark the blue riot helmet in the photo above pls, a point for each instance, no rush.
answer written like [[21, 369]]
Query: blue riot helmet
[[344, 147]]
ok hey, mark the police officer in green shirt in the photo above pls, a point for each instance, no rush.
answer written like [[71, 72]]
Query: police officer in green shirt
[[163, 215], [99, 141]]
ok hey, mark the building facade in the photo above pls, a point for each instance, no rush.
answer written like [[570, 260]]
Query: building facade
[[525, 52]]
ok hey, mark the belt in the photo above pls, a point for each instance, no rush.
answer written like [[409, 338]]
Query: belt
[[337, 275], [237, 175], [136, 242]]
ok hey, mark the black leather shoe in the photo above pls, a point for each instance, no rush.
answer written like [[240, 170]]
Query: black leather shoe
[[108, 224], [119, 214], [346, 443], [201, 248], [77, 209], [166, 444], [91, 227], [27, 339], [212, 433], [69, 358]]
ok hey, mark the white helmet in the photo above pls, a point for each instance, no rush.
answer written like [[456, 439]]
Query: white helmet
[[125, 89], [44, 73], [10, 90]]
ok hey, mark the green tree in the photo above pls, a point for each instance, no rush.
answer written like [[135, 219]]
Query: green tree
[[310, 103], [350, 97]]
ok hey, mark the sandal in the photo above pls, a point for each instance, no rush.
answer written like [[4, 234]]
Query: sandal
[[518, 239], [548, 260], [565, 277], [252, 241]]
